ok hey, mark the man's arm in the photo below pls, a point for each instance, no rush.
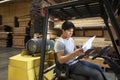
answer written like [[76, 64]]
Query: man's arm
[[64, 58]]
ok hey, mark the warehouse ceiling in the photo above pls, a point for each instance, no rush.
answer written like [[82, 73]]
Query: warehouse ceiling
[[89, 8], [55, 1], [3, 1], [9, 1]]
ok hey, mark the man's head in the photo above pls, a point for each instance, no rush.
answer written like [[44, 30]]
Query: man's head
[[67, 29], [67, 25]]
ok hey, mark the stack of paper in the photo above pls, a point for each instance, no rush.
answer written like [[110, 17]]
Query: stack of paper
[[88, 44]]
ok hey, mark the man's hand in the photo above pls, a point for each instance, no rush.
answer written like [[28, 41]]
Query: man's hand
[[79, 52], [86, 57]]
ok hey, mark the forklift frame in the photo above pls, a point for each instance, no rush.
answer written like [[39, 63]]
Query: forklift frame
[[106, 12]]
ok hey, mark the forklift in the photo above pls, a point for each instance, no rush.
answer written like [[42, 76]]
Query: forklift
[[78, 9]]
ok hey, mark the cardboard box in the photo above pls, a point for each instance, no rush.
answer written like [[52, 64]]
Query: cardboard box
[[23, 67]]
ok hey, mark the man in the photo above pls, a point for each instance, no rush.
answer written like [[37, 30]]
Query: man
[[66, 53]]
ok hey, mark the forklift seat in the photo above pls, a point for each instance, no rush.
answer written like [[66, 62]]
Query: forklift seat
[[61, 72]]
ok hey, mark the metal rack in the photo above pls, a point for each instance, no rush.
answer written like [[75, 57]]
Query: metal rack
[[82, 9]]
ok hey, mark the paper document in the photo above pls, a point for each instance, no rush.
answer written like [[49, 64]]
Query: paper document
[[88, 44]]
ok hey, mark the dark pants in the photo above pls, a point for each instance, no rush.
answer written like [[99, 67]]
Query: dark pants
[[91, 70]]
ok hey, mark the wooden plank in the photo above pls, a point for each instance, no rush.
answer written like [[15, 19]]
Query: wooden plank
[[18, 42], [19, 30], [98, 42], [18, 37], [19, 34], [93, 32], [3, 42], [18, 46], [79, 33], [24, 19], [3, 35]]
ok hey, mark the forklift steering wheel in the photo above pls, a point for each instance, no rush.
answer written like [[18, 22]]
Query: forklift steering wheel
[[103, 52]]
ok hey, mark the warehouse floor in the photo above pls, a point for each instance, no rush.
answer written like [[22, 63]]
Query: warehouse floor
[[5, 53]]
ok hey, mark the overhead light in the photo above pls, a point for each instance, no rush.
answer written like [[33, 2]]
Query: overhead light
[[2, 1]]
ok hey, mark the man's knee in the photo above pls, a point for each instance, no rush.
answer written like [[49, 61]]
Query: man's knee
[[97, 75]]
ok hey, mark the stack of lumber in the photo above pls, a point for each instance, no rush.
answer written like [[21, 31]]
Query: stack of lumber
[[18, 37], [86, 27], [5, 37], [81, 23], [23, 21], [2, 28], [20, 33], [98, 42]]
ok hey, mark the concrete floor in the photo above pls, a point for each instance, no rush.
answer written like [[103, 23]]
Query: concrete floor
[[5, 53]]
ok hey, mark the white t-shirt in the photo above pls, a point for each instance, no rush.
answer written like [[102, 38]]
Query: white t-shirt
[[65, 45]]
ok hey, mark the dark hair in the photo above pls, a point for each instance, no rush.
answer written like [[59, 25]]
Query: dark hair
[[68, 25]]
